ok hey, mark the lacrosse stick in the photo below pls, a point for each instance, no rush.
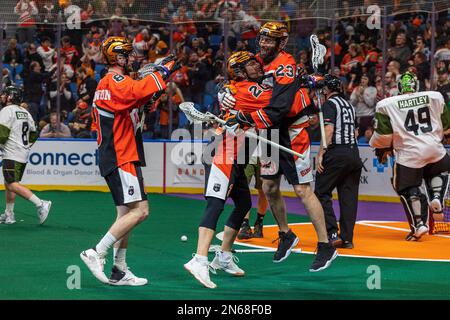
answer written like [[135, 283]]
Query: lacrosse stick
[[195, 116], [318, 54]]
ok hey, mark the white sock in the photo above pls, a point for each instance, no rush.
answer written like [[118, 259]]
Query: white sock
[[201, 258], [9, 207], [37, 202], [107, 242], [120, 255]]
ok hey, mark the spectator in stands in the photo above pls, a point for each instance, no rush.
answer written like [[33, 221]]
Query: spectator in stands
[[314, 128], [33, 89], [51, 130], [66, 97], [394, 68], [443, 84], [80, 125], [401, 52], [443, 50], [47, 53], [14, 59], [163, 105], [423, 70], [31, 55], [141, 44], [305, 27], [198, 75], [351, 59], [6, 79], [86, 86], [367, 135], [363, 98], [69, 51], [421, 47], [390, 82], [134, 28], [27, 11]]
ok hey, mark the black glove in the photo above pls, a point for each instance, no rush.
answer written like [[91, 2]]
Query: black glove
[[243, 119], [382, 154], [168, 66]]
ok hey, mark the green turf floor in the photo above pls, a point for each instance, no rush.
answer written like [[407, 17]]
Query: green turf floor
[[34, 259]]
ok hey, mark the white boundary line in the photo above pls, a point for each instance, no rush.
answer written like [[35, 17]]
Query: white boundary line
[[363, 222]]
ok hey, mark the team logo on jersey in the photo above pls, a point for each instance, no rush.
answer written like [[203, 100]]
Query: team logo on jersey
[[118, 77], [21, 115], [130, 190], [216, 187]]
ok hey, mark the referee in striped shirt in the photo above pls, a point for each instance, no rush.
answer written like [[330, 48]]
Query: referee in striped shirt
[[339, 166]]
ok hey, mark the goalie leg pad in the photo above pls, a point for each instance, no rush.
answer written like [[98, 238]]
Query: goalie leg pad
[[414, 203], [436, 188]]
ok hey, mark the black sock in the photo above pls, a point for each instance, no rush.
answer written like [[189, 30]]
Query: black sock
[[246, 222], [259, 219]]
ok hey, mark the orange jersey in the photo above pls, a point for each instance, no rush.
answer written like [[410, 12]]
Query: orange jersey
[[116, 118], [280, 74]]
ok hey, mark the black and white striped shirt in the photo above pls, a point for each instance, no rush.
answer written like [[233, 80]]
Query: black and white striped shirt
[[340, 113]]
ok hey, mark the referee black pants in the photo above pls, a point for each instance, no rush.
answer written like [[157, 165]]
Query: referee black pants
[[342, 170]]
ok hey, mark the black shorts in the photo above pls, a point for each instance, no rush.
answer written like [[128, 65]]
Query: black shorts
[[126, 184], [405, 177], [13, 170]]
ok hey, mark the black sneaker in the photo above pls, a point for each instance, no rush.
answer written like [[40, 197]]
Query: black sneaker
[[325, 254], [335, 240], [258, 230], [346, 245], [287, 242], [245, 232]]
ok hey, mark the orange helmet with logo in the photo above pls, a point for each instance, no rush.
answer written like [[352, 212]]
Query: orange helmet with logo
[[236, 63], [277, 30], [113, 46]]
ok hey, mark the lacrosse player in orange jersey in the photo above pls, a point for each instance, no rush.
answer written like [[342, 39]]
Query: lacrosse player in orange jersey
[[226, 177], [115, 114], [286, 112]]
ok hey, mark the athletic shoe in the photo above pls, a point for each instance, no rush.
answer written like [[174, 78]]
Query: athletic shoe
[[95, 263], [43, 210], [436, 206], [227, 264], [127, 278], [258, 230], [245, 232], [8, 218], [346, 245], [287, 242], [335, 240], [200, 271], [325, 254], [420, 230]]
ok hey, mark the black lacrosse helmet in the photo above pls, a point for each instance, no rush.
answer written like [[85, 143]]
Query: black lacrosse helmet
[[14, 94], [332, 82]]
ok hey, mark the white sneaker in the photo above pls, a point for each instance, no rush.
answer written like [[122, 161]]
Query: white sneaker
[[436, 205], [227, 264], [95, 263], [43, 210], [421, 229], [200, 271], [127, 278], [7, 218]]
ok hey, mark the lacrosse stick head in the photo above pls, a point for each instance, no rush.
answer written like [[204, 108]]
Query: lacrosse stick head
[[318, 52], [192, 114]]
